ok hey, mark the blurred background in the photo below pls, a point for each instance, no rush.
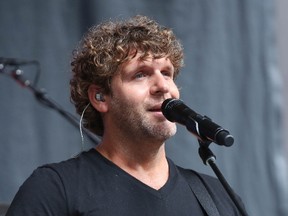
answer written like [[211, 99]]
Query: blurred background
[[235, 72]]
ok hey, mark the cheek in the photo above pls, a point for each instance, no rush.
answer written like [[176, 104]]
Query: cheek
[[131, 96], [174, 90]]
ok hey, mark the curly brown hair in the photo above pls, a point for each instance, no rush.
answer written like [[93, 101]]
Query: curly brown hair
[[105, 47]]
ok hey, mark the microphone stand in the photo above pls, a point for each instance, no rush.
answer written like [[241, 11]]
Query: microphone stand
[[209, 158], [43, 98]]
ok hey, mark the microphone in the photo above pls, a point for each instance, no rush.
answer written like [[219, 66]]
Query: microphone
[[201, 126]]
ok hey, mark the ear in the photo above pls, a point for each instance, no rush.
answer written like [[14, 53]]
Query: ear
[[99, 105]]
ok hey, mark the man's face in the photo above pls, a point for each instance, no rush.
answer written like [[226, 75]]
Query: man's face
[[138, 91]]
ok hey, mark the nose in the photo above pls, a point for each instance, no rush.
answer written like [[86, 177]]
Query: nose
[[159, 84]]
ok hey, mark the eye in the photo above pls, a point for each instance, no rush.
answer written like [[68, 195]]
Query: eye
[[140, 75], [168, 74]]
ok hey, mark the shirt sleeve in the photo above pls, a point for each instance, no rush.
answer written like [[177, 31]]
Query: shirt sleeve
[[42, 194]]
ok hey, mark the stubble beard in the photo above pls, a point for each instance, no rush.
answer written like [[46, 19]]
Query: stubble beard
[[136, 124]]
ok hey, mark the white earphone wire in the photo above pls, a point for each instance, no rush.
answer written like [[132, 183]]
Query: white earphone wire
[[80, 127]]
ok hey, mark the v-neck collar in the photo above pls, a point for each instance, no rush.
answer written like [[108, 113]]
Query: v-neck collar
[[160, 193]]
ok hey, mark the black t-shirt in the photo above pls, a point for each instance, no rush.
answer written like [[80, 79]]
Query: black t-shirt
[[92, 185]]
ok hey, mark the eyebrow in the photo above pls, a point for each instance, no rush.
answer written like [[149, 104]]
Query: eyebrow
[[142, 64]]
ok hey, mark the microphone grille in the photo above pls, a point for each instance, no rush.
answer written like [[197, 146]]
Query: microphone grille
[[167, 106]]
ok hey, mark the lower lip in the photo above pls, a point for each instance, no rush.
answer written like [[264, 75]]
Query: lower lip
[[158, 114]]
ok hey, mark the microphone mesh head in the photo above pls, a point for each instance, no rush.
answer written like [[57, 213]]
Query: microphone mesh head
[[167, 107]]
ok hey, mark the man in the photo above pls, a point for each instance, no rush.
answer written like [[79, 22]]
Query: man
[[122, 73]]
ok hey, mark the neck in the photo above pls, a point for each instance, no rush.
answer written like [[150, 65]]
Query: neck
[[145, 161]]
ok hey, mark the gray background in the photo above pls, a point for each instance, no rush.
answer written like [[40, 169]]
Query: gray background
[[235, 60]]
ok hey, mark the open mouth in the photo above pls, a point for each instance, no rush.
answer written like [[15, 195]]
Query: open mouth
[[156, 108], [157, 111]]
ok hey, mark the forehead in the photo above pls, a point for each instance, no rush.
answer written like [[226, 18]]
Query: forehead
[[138, 61]]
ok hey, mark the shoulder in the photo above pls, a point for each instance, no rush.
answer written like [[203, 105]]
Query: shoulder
[[215, 189], [54, 176], [73, 166], [211, 183], [54, 186], [42, 190]]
